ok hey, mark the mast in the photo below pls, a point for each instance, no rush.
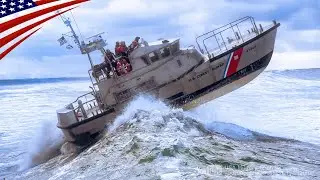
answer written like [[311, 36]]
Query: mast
[[67, 22]]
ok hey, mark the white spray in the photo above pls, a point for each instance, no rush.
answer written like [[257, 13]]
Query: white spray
[[43, 146], [209, 119]]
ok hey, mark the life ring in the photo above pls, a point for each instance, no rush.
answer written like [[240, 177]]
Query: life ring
[[123, 67]]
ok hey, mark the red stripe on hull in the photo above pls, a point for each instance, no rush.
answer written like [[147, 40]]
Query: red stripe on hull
[[234, 62]]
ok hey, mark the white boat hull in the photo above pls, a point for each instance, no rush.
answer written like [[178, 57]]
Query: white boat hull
[[222, 91]]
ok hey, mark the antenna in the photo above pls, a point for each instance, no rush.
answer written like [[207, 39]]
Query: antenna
[[97, 35], [67, 22], [97, 42]]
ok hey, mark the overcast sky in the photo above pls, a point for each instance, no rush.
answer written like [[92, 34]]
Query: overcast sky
[[297, 43]]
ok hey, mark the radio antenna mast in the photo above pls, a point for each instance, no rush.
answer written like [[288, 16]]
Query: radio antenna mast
[[97, 42]]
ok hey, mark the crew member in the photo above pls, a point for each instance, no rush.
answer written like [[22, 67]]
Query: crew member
[[134, 44], [117, 49], [110, 59], [123, 49]]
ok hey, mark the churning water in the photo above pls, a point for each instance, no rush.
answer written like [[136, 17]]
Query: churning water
[[236, 132]]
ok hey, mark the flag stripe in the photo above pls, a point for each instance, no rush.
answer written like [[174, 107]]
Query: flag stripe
[[12, 23], [14, 35], [44, 2], [7, 51]]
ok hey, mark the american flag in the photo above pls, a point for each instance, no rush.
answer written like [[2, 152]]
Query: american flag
[[19, 19]]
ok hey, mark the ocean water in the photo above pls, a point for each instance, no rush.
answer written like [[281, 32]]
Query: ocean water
[[277, 103]]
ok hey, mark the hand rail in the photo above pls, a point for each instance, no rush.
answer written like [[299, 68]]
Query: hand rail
[[82, 96], [88, 111], [218, 31]]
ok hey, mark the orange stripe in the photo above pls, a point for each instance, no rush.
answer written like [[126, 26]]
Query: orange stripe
[[12, 23], [10, 37], [2, 55]]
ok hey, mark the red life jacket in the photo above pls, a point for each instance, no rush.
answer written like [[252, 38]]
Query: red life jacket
[[122, 49], [118, 50]]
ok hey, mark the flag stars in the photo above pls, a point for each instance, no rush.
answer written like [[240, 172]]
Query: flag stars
[[21, 1], [3, 1], [12, 4], [3, 12], [29, 4], [11, 9], [20, 7], [4, 6]]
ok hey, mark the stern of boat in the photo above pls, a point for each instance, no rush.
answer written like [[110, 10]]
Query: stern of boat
[[83, 118]]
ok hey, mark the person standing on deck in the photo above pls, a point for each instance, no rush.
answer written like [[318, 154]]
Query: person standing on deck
[[123, 49], [117, 49]]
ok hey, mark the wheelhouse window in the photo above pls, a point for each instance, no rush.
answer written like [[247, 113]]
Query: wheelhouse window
[[165, 52], [145, 60], [153, 57], [175, 47]]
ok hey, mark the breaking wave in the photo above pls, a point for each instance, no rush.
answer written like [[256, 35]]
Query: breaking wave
[[150, 140], [159, 109], [48, 139]]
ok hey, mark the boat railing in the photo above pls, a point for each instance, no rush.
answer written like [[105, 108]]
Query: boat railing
[[97, 76], [87, 105], [227, 36], [191, 47], [102, 73], [99, 72]]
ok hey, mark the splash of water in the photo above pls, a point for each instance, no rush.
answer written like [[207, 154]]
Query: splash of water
[[140, 102], [43, 146], [151, 133], [158, 108], [48, 139]]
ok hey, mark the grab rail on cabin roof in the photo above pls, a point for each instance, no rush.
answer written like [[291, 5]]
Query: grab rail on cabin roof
[[217, 34]]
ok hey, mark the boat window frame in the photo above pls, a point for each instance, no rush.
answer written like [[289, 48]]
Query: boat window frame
[[168, 53], [146, 60], [174, 47], [156, 55]]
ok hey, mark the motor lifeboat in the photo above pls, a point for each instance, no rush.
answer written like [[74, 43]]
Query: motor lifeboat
[[221, 61]]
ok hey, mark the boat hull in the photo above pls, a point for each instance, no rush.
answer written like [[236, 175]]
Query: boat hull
[[239, 80], [80, 132], [224, 73]]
